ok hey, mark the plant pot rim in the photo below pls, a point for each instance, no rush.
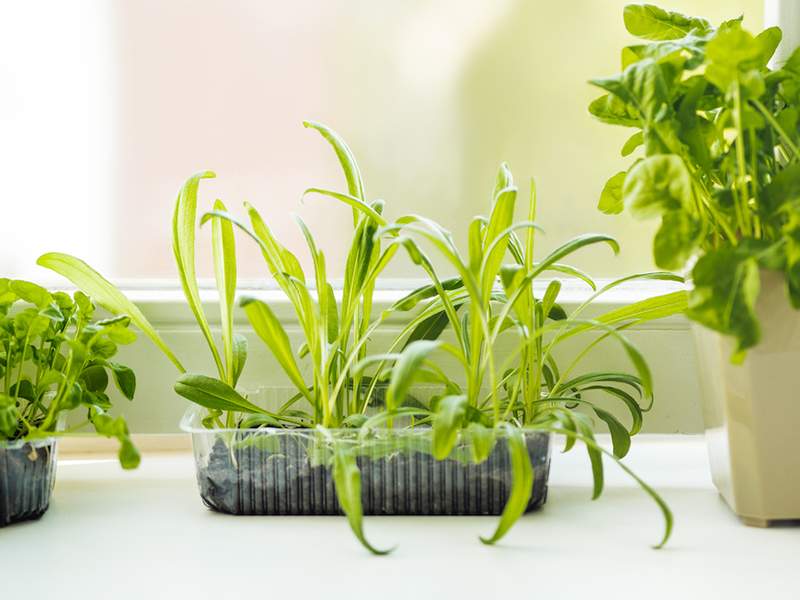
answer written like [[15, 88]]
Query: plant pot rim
[[39, 442], [190, 423]]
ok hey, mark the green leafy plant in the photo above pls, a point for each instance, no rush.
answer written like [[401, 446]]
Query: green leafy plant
[[55, 358], [334, 332], [717, 133], [490, 301]]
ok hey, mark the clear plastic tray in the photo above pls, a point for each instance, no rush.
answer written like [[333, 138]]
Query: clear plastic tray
[[27, 476], [272, 471]]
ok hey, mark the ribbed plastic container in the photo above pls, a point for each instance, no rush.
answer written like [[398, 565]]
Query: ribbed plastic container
[[288, 472], [27, 476]]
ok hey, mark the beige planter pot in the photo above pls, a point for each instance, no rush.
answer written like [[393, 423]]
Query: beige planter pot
[[752, 412]]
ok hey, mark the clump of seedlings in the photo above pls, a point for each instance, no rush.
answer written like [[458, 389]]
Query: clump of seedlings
[[56, 358], [354, 434]]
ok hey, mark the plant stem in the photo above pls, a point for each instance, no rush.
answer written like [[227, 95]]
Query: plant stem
[[741, 164], [777, 127]]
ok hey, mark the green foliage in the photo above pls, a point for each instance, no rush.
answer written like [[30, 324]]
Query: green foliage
[[718, 132], [104, 293], [55, 359], [491, 300]]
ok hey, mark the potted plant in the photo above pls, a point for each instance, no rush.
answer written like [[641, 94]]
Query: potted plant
[[352, 434], [716, 130], [55, 358]]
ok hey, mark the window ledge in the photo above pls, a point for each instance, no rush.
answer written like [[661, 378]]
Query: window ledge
[[167, 545]]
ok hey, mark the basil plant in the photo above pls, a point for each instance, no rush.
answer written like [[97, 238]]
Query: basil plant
[[717, 158], [55, 359]]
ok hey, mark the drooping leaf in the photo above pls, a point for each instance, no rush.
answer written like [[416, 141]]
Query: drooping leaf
[[677, 239], [347, 479], [106, 425], [521, 487], [726, 287], [105, 294]]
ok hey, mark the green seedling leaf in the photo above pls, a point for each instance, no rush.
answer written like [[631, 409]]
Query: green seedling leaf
[[522, 484], [481, 441], [104, 424], [224, 251], [214, 394], [30, 292], [609, 109], [575, 244], [447, 422], [347, 479], [239, 356], [663, 507], [105, 294], [404, 371], [677, 239], [9, 415], [611, 202], [429, 329], [95, 378], [270, 330], [656, 185], [620, 438], [355, 184], [653, 23], [124, 378], [184, 225], [632, 143], [726, 287]]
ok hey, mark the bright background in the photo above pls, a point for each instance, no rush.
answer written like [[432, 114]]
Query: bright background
[[107, 106]]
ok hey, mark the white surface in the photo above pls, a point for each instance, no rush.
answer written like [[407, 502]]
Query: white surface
[[145, 534]]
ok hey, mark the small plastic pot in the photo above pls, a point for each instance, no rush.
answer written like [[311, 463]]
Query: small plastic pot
[[27, 476]]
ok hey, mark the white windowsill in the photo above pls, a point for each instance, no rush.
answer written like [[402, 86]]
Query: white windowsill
[[146, 534]]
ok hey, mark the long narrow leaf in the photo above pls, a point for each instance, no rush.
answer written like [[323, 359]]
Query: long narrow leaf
[[270, 330], [224, 250], [184, 224], [347, 479], [521, 487], [447, 422], [105, 294], [214, 394]]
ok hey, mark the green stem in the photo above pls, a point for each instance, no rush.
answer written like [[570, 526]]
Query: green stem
[[777, 127], [741, 164]]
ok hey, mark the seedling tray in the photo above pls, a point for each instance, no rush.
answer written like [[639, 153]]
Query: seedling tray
[[27, 475], [288, 472]]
